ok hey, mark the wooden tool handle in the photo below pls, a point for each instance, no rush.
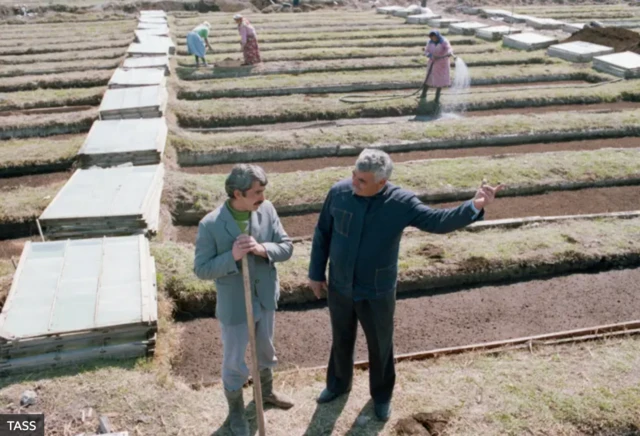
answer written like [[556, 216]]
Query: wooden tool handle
[[255, 372]]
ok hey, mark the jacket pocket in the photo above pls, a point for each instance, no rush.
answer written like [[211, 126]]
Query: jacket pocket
[[341, 221], [385, 278]]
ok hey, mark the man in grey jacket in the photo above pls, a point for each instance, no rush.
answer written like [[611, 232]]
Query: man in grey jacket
[[246, 224], [359, 232]]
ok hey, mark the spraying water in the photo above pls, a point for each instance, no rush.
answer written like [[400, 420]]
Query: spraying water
[[460, 85]]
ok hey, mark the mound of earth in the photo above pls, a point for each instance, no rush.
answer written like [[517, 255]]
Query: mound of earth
[[618, 38], [424, 424]]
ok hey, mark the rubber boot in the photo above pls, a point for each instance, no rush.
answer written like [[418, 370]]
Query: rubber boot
[[268, 395], [423, 96], [437, 108], [237, 421]]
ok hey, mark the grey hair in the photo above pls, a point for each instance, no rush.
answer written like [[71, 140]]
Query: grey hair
[[375, 161], [242, 177]]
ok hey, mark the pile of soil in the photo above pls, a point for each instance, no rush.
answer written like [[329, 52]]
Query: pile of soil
[[618, 38], [424, 424]]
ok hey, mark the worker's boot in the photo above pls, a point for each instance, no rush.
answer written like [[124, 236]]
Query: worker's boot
[[438, 96], [424, 92], [237, 421], [268, 395]]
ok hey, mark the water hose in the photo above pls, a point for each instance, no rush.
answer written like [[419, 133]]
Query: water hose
[[369, 99]]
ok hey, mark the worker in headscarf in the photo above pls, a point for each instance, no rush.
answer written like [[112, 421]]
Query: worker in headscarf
[[196, 40], [438, 50], [249, 40]]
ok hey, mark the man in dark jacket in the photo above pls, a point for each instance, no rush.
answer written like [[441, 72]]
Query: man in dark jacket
[[359, 232]]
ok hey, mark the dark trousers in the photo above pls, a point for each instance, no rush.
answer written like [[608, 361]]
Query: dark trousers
[[376, 319]]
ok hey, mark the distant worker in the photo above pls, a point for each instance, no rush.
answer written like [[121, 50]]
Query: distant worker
[[244, 225], [438, 50], [196, 40], [249, 40]]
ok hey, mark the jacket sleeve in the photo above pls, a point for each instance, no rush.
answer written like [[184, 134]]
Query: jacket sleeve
[[281, 248], [321, 243], [209, 263], [243, 34], [442, 220]]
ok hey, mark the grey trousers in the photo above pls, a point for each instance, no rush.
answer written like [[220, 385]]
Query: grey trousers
[[376, 318], [235, 339]]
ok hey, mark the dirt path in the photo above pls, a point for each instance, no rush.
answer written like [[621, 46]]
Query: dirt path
[[584, 201], [421, 323], [287, 166]]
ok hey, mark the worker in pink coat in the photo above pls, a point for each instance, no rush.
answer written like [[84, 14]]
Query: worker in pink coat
[[438, 50]]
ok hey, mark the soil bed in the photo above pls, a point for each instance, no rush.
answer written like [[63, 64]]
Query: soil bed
[[47, 125], [288, 166], [226, 112], [600, 107], [579, 202], [490, 313], [33, 180], [191, 196], [232, 68]]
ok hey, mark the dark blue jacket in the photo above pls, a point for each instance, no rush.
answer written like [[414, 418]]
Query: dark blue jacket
[[361, 236]]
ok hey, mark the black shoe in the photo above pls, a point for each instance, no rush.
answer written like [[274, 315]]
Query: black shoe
[[327, 396], [383, 411]]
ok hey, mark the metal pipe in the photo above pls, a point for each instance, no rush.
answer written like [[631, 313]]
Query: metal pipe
[[590, 333]]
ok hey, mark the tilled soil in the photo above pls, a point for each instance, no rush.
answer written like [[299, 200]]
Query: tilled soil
[[583, 201], [12, 248], [481, 314], [33, 180], [287, 166]]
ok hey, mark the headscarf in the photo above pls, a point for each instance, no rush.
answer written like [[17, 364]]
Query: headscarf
[[243, 21], [437, 35], [206, 24]]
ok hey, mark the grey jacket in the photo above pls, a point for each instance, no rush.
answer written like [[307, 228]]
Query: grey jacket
[[214, 261]]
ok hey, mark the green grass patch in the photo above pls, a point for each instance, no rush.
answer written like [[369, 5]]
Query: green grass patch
[[20, 153], [317, 19], [54, 48], [62, 39], [32, 60], [471, 58], [26, 203], [58, 67], [339, 42], [64, 30], [80, 79], [426, 259], [301, 84], [198, 194], [20, 126], [44, 98], [339, 53], [69, 18], [265, 110], [319, 35], [401, 133]]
